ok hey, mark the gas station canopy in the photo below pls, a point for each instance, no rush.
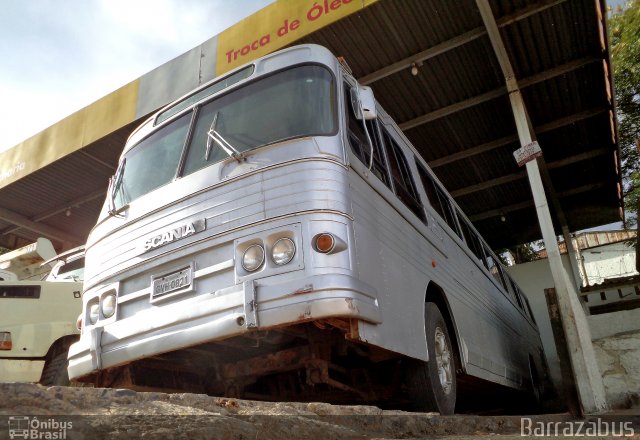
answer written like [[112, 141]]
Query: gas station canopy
[[431, 66]]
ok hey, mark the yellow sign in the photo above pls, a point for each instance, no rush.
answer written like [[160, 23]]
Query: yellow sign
[[276, 26], [72, 133]]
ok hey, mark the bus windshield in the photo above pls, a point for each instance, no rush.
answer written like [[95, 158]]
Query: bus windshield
[[300, 101]]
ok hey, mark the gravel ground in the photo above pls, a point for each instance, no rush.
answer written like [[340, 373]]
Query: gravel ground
[[88, 413]]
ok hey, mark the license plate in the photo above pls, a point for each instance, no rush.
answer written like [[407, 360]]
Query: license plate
[[171, 283]]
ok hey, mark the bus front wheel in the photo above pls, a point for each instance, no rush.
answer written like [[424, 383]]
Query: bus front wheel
[[432, 384]]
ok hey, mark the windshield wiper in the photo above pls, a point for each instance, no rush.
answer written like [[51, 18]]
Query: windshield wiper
[[214, 136], [114, 183]]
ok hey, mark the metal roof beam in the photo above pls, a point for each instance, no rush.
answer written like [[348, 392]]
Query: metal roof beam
[[522, 174], [457, 41], [101, 162], [73, 203], [501, 211], [478, 149], [420, 57], [492, 145], [530, 204], [453, 108], [502, 180], [496, 93], [45, 230]]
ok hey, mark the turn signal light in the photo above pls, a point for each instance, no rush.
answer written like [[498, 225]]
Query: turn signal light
[[5, 341], [325, 243]]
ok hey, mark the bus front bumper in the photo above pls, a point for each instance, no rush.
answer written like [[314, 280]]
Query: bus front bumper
[[223, 314]]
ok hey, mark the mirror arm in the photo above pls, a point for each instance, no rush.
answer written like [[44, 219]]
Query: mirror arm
[[364, 125]]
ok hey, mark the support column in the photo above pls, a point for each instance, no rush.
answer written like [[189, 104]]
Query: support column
[[583, 361], [573, 255]]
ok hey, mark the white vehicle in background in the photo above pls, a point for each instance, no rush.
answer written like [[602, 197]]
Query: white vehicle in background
[[38, 318]]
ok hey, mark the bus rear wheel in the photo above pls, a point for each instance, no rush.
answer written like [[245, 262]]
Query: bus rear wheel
[[432, 384]]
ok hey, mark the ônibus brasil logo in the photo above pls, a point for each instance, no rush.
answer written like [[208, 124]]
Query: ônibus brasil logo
[[34, 428]]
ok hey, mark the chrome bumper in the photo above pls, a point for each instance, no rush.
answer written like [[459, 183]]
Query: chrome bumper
[[225, 313]]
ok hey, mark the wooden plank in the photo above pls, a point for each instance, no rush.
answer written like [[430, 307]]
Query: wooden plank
[[569, 390]]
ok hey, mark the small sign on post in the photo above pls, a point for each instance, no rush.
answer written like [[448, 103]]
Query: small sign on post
[[527, 153]]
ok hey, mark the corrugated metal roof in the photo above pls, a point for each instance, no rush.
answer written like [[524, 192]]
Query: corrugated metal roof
[[76, 184], [455, 111]]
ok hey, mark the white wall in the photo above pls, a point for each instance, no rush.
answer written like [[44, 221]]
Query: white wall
[[610, 324], [609, 261], [616, 335], [619, 362]]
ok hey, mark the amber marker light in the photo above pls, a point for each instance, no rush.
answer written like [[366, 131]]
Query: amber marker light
[[5, 341], [325, 243]]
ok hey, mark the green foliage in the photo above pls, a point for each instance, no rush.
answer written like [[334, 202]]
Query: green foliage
[[624, 33], [524, 253]]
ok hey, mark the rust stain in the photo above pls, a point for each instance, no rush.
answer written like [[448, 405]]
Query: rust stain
[[351, 305], [306, 314], [227, 403], [306, 289]]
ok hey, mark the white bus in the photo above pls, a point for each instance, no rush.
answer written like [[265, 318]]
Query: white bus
[[273, 235]]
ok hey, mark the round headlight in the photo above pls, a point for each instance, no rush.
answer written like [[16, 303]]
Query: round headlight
[[253, 258], [94, 312], [283, 251], [108, 305]]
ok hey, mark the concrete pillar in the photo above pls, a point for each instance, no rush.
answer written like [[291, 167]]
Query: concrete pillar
[[573, 255], [583, 361]]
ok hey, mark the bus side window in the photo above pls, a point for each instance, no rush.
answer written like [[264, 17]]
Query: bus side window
[[492, 265], [360, 143], [503, 275], [438, 199], [526, 301], [403, 183], [513, 289], [472, 240], [519, 299]]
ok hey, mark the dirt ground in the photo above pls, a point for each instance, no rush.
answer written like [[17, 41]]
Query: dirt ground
[[88, 413]]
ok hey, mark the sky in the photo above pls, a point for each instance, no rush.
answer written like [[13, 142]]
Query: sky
[[58, 56]]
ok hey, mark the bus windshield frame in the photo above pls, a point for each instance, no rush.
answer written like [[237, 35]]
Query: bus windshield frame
[[300, 101]]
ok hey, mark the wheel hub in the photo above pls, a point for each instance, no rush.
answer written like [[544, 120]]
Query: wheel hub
[[443, 360]]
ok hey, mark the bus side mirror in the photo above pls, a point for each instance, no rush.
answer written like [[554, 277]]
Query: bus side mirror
[[363, 102]]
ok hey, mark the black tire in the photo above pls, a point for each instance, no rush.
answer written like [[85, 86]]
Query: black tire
[[55, 369], [427, 389]]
